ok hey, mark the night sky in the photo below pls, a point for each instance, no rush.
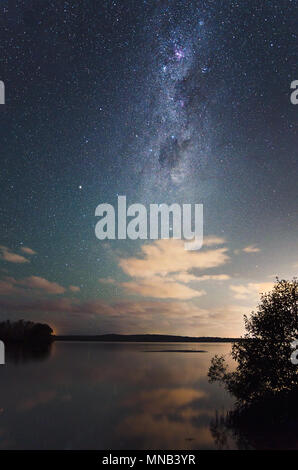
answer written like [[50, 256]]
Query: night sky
[[161, 101]]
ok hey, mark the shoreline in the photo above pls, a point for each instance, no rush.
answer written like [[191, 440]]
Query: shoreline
[[113, 338]]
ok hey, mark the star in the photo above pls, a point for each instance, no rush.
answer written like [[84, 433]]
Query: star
[[179, 54]]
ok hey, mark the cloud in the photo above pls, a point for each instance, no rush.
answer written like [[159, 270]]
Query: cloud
[[107, 280], [32, 285], [166, 287], [140, 309], [212, 240], [74, 288], [36, 282], [181, 317], [166, 256], [161, 269], [169, 287], [28, 250], [251, 249], [161, 288], [186, 277], [11, 257], [6, 287], [244, 291]]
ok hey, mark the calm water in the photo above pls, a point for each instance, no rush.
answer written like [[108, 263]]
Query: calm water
[[112, 396]]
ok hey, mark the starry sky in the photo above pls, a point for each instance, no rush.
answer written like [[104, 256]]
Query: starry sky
[[165, 102]]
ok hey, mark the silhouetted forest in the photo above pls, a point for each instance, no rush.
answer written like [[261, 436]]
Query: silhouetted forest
[[25, 332]]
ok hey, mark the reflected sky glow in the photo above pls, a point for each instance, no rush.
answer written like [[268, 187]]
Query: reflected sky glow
[[117, 396]]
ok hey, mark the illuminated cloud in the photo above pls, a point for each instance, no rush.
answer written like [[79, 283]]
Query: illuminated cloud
[[161, 288], [186, 277], [162, 269], [244, 291], [7, 287], [40, 283], [181, 317], [11, 257], [32, 285], [28, 250], [251, 249], [163, 257], [74, 288], [107, 280], [212, 240]]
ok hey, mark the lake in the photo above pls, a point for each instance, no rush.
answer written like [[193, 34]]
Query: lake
[[88, 395]]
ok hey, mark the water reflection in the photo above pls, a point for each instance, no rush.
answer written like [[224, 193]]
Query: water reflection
[[269, 424], [111, 396], [20, 353]]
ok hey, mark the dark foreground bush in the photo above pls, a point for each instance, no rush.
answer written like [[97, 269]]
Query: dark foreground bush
[[268, 423], [263, 355], [265, 379]]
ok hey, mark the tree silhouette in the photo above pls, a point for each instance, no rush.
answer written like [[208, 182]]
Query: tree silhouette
[[23, 331], [265, 380], [263, 355]]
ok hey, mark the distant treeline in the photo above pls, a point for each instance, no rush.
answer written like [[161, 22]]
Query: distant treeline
[[146, 338], [22, 331]]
